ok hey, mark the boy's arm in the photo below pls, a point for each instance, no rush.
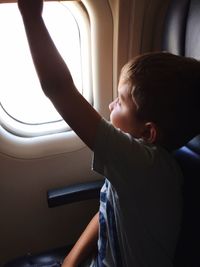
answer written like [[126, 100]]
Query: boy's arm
[[54, 76], [85, 246]]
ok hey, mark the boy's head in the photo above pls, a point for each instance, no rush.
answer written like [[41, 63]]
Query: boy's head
[[165, 89]]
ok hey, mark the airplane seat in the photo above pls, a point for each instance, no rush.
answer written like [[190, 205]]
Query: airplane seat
[[181, 35]]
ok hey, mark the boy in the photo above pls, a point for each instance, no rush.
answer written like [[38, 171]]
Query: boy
[[139, 219]]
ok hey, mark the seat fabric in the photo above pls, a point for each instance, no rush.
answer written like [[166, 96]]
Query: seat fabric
[[181, 36]]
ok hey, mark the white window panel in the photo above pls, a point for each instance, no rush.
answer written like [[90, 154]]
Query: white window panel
[[25, 110]]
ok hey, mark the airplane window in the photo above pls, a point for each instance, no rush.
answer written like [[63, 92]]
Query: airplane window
[[24, 109], [30, 127]]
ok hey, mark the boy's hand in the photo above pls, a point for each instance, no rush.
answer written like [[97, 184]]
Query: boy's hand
[[30, 8]]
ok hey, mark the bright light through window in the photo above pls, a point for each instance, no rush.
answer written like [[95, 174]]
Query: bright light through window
[[21, 95]]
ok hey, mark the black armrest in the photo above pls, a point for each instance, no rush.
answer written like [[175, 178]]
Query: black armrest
[[74, 193]]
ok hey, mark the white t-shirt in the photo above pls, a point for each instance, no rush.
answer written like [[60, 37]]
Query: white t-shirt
[[141, 201]]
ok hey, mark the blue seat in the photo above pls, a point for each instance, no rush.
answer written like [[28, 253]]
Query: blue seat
[[181, 36]]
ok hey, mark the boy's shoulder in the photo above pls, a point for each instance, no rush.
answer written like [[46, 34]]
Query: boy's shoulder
[[116, 147]]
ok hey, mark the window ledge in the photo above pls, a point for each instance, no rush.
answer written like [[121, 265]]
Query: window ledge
[[38, 147]]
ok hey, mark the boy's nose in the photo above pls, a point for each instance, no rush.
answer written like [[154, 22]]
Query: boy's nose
[[111, 105]]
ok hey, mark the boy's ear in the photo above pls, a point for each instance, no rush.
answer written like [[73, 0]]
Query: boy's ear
[[150, 132]]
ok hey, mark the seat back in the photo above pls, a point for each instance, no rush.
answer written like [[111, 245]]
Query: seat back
[[181, 36]]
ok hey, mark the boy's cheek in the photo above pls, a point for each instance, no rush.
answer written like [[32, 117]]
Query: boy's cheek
[[115, 118]]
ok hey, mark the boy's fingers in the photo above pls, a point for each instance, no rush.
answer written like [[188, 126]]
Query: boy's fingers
[[32, 7]]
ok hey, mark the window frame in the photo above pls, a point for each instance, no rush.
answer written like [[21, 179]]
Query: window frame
[[22, 129], [101, 40]]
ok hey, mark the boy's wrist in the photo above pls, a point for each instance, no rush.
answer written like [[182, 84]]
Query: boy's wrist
[[30, 18]]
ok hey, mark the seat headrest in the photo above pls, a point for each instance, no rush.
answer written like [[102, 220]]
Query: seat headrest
[[181, 36]]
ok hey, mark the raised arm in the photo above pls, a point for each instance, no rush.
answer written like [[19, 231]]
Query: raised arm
[[54, 76]]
